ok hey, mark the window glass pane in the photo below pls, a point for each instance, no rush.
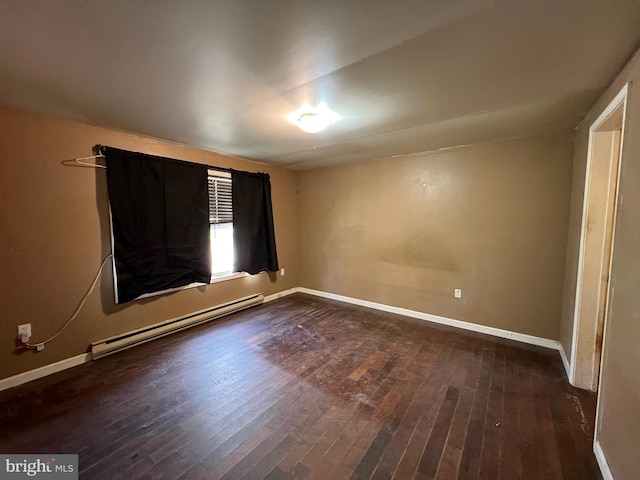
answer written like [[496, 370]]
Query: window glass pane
[[221, 249]]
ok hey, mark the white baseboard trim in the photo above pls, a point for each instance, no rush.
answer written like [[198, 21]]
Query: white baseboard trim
[[40, 372], [602, 461], [56, 367], [275, 296], [496, 332], [25, 377], [565, 362]]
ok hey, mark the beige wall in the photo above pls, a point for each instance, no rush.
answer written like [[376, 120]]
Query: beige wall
[[489, 219], [54, 233], [618, 430]]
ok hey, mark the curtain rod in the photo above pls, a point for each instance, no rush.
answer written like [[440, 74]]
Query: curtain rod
[[85, 161]]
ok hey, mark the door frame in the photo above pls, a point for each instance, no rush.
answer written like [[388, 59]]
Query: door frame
[[585, 356]]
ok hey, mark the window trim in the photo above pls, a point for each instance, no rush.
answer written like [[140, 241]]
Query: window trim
[[227, 177]]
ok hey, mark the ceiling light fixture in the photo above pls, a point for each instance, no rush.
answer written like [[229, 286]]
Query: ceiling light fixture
[[313, 120]]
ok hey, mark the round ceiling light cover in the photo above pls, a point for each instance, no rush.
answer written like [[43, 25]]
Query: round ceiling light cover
[[313, 120]]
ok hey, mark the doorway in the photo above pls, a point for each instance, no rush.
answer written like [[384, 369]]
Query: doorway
[[596, 242]]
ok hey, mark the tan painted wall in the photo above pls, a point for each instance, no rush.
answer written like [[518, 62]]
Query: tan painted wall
[[54, 233], [489, 219], [619, 420]]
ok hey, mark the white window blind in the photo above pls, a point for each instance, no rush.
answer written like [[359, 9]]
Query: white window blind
[[220, 209]]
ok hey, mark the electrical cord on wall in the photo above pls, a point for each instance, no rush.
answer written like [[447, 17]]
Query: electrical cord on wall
[[39, 346]]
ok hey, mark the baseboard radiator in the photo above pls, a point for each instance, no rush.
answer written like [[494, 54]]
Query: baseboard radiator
[[151, 332]]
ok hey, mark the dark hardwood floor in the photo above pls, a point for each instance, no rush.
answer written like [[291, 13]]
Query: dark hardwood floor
[[310, 388]]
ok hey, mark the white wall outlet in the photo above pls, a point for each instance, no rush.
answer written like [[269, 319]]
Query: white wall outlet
[[457, 293], [24, 332], [282, 272]]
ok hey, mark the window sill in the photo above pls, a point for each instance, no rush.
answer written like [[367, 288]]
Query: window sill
[[230, 276], [220, 278]]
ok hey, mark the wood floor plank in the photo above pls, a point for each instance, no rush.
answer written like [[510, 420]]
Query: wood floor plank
[[490, 456], [408, 413], [435, 445], [530, 457], [430, 401], [474, 440], [449, 463], [308, 388], [510, 454]]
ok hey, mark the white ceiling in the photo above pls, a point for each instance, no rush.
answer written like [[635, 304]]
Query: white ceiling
[[405, 75]]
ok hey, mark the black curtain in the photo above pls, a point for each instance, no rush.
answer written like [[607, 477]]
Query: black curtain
[[253, 234], [160, 218]]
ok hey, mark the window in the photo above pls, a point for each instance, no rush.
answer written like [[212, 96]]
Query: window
[[161, 241], [220, 224]]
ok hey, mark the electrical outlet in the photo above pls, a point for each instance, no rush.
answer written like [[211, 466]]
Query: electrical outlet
[[24, 332], [457, 293], [282, 272]]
